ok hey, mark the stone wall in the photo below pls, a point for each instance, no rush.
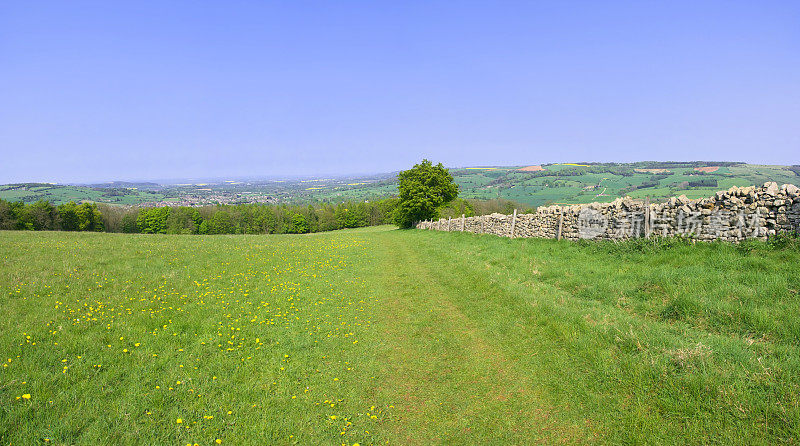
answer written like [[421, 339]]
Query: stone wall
[[732, 215]]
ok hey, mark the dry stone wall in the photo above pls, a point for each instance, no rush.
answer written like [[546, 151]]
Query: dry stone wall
[[733, 215]]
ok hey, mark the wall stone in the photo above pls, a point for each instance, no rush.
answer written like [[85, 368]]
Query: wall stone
[[733, 215]]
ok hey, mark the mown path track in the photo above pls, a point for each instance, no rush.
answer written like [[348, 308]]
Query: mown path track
[[450, 379]]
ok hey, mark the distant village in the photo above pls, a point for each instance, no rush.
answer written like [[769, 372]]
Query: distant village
[[212, 199]]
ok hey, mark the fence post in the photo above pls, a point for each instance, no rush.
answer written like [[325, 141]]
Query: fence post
[[462, 222], [560, 222], [647, 217], [513, 223]]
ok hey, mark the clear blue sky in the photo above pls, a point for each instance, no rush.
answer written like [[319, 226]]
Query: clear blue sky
[[114, 90]]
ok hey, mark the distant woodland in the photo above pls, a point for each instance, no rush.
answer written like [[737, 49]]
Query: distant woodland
[[221, 219]]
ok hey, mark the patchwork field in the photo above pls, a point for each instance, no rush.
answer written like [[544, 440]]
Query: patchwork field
[[377, 336], [534, 185], [579, 183]]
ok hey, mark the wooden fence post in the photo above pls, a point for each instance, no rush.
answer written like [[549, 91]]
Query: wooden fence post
[[560, 222], [462, 222], [647, 217], [513, 223]]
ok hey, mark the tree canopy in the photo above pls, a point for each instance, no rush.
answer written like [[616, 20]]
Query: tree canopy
[[423, 188]]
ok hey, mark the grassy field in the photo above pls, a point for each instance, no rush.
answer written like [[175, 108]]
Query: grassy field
[[378, 336]]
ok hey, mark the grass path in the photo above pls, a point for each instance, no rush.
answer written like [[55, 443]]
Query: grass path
[[454, 383]]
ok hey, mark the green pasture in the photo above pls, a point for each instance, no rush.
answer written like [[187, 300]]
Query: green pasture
[[408, 337]]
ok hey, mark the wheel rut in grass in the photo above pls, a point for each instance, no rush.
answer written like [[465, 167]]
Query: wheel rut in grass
[[448, 380]]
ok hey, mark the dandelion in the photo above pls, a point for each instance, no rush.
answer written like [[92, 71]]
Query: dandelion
[[179, 420], [27, 396]]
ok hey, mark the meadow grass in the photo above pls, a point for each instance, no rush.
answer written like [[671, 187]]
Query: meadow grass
[[407, 337]]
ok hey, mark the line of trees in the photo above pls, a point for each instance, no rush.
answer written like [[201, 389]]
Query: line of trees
[[43, 216], [225, 219], [248, 218]]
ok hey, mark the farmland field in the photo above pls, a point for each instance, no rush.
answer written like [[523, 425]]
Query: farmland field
[[536, 186], [376, 336]]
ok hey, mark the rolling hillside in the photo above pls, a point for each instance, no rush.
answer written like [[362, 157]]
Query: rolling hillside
[[532, 185], [586, 183]]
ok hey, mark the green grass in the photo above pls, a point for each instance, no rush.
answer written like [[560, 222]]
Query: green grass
[[410, 337]]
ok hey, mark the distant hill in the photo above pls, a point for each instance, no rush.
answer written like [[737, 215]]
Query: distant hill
[[533, 185], [571, 183]]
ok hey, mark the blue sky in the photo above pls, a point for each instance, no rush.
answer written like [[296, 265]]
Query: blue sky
[[95, 91]]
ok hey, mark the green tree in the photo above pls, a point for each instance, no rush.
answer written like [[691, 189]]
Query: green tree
[[89, 217], [221, 223], [129, 224], [423, 189], [456, 208], [203, 229], [313, 219], [153, 220], [327, 218], [42, 215], [68, 215], [183, 220], [7, 218], [265, 220], [299, 224]]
